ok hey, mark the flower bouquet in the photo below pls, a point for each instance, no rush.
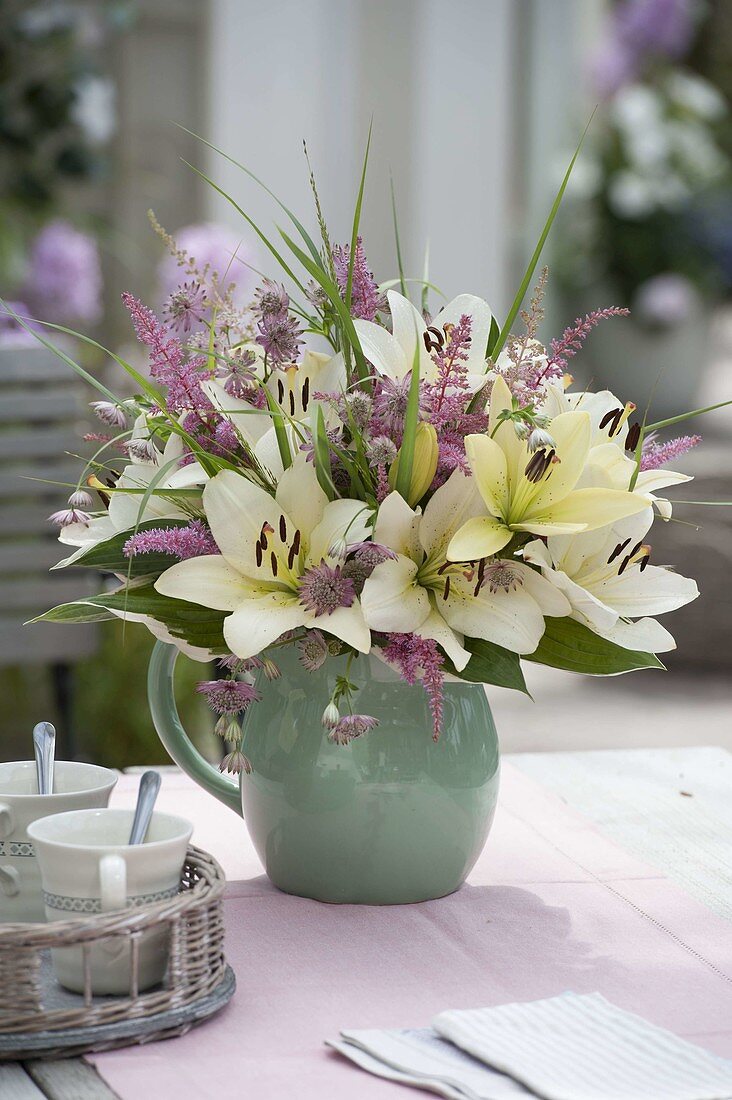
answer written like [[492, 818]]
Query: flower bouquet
[[336, 469]]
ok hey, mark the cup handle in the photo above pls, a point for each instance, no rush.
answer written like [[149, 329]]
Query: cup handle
[[7, 823], [113, 883], [9, 881]]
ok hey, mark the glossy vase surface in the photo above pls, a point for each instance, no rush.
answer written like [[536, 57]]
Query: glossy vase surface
[[392, 817]]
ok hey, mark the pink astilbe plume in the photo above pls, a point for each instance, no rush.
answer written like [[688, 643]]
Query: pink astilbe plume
[[575, 335], [168, 363], [365, 298], [656, 454], [191, 541], [417, 658]]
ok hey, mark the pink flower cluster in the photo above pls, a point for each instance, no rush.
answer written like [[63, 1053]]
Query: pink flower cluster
[[417, 658], [192, 541], [656, 454], [365, 298], [168, 362]]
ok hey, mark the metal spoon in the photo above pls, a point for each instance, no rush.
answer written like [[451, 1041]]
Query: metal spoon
[[44, 746], [146, 795]]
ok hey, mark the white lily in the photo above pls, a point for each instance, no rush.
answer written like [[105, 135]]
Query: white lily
[[609, 464], [422, 592], [292, 389], [535, 492], [276, 572], [392, 353], [125, 508], [606, 578]]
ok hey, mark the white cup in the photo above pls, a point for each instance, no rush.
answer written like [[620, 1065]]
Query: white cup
[[88, 867], [75, 786]]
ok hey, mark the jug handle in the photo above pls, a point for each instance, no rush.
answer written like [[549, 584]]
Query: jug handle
[[170, 729]]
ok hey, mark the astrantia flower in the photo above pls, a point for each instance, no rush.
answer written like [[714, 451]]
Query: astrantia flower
[[68, 516], [323, 589], [186, 307], [143, 450], [109, 413], [381, 451], [351, 726], [81, 499], [279, 335], [313, 650], [236, 762], [227, 696], [274, 574], [271, 298]]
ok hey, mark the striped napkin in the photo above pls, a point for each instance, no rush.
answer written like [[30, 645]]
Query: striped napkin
[[571, 1047]]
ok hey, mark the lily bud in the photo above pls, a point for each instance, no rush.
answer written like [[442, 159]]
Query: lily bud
[[424, 465]]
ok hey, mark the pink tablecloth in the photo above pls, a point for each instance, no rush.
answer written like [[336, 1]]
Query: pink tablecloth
[[551, 906]]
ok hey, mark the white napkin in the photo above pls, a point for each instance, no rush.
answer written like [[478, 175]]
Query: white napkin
[[575, 1047], [419, 1057], [571, 1047]]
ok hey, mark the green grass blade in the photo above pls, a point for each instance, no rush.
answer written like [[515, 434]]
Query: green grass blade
[[265, 240], [356, 222], [237, 164], [685, 416], [411, 417], [278, 422], [334, 296], [322, 455], [62, 354], [400, 265], [528, 276]]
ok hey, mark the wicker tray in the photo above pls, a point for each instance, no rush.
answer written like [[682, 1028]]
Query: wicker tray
[[37, 1016]]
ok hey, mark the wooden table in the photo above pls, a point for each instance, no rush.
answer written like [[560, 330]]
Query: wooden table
[[672, 807]]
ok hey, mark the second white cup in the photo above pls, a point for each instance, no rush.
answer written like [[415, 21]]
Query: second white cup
[[88, 867]]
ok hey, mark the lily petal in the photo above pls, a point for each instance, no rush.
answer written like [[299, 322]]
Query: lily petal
[[510, 619], [450, 506], [396, 526], [481, 316], [392, 600], [300, 496], [436, 628], [258, 623], [345, 518], [646, 635], [478, 538], [488, 464], [208, 581], [586, 508], [652, 592], [237, 510], [348, 624]]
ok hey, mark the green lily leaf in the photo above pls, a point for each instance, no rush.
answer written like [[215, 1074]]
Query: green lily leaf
[[569, 645], [199, 626], [491, 664]]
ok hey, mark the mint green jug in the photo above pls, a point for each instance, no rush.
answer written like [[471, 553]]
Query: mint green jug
[[392, 817]]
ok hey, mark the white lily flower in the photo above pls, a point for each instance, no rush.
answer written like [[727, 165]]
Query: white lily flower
[[292, 388], [125, 509], [606, 578], [275, 572], [609, 464], [392, 353], [535, 492], [421, 592]]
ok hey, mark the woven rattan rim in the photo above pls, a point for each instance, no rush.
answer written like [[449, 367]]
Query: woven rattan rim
[[193, 921], [61, 933]]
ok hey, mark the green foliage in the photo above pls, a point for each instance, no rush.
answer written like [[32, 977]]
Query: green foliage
[[569, 645], [491, 664], [199, 626]]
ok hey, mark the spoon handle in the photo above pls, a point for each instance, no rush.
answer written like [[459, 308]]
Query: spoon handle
[[146, 795], [44, 746]]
